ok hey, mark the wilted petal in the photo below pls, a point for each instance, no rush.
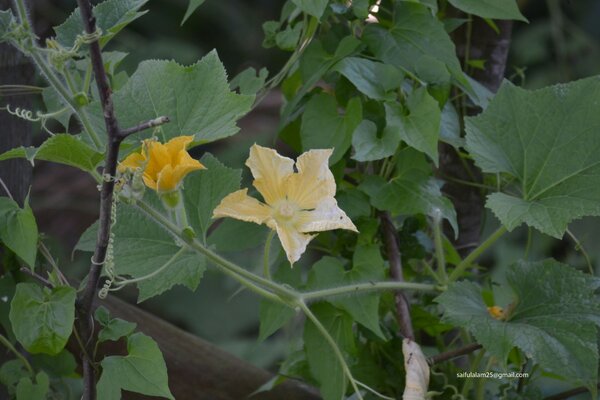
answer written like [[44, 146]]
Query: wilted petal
[[270, 171], [314, 181], [327, 216], [293, 242], [417, 371], [240, 206]]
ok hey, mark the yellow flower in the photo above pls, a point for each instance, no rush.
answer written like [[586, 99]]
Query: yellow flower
[[164, 165], [496, 312], [297, 203]]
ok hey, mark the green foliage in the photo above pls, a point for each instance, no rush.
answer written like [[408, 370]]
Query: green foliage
[[418, 124], [142, 370], [321, 115], [412, 190], [27, 390], [197, 99], [546, 139], [553, 318], [18, 230], [205, 190], [111, 17], [142, 247], [496, 9], [324, 365], [416, 42], [61, 148], [112, 328], [42, 319]]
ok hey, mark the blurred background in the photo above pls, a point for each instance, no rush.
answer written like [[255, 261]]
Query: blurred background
[[561, 43]]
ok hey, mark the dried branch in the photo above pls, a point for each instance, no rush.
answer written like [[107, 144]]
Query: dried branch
[[452, 354], [393, 254]]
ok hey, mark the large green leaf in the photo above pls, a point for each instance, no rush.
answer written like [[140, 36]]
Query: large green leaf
[[111, 17], [418, 124], [372, 78], [323, 363], [315, 8], [369, 147], [42, 319], [324, 128], [548, 141], [367, 265], [495, 9], [196, 98], [412, 190], [141, 247], [18, 230], [61, 148], [417, 42], [205, 190], [553, 318], [142, 370]]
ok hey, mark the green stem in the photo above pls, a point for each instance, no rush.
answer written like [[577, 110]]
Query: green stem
[[439, 247], [466, 263], [154, 273], [266, 263], [338, 353], [20, 356], [367, 287]]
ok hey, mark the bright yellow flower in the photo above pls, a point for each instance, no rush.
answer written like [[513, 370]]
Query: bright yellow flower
[[297, 203], [496, 312], [164, 165]]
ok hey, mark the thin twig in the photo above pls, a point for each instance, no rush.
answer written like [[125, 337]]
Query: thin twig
[[452, 354], [143, 126], [393, 254]]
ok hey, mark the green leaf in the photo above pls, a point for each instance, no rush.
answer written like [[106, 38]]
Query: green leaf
[[324, 365], [60, 148], [249, 82], [368, 147], [27, 390], [6, 21], [416, 38], [367, 265], [324, 128], [418, 124], [547, 140], [411, 191], [316, 8], [112, 328], [18, 230], [197, 99], [42, 318], [495, 9], [372, 78], [141, 247], [111, 17], [205, 190], [192, 6], [553, 318], [142, 370]]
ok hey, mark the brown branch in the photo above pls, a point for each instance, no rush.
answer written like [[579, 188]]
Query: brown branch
[[568, 393], [393, 254], [452, 354], [143, 126]]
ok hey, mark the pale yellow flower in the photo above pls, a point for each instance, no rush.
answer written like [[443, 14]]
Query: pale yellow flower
[[164, 165], [297, 203]]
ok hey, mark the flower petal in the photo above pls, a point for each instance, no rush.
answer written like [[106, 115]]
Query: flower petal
[[327, 216], [270, 171], [177, 144], [293, 242], [240, 206], [314, 181], [132, 162]]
